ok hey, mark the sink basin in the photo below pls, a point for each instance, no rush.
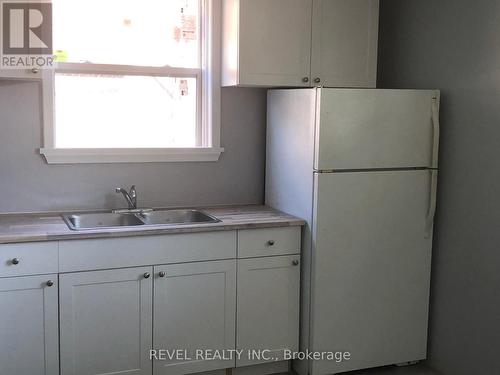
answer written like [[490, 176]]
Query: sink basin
[[176, 217], [117, 220], [100, 221]]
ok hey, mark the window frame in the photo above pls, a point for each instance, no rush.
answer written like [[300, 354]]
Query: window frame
[[208, 103]]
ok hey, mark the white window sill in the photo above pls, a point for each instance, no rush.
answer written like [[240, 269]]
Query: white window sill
[[128, 155]]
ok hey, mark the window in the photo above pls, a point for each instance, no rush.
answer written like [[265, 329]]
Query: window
[[136, 81]]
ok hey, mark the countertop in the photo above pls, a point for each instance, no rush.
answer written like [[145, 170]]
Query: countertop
[[51, 227]]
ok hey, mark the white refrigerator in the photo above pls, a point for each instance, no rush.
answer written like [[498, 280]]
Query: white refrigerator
[[360, 166]]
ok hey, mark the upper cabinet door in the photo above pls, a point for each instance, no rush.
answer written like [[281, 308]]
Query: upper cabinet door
[[29, 326], [377, 129], [344, 43], [106, 322], [194, 310], [267, 42]]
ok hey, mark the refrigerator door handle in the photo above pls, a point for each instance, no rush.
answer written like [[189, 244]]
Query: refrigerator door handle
[[432, 204], [435, 132]]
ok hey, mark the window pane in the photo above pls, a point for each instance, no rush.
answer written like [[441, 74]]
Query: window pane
[[128, 32], [111, 111]]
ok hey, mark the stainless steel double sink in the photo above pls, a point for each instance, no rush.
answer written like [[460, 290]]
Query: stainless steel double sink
[[110, 220]]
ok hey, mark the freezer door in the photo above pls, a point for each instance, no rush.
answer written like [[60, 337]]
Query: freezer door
[[371, 268], [366, 129]]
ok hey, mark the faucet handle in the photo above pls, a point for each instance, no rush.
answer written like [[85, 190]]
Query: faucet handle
[[133, 191], [122, 190]]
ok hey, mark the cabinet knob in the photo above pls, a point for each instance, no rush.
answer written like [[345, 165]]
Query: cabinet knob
[[317, 80], [15, 261], [34, 70], [270, 242], [147, 275], [50, 283], [161, 274], [295, 262], [305, 79]]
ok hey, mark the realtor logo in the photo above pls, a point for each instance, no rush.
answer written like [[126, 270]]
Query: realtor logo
[[26, 34]]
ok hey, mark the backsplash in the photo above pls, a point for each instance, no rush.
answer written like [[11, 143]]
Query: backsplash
[[28, 184]]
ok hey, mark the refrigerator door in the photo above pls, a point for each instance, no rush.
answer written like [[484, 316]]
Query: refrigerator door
[[371, 267], [369, 129]]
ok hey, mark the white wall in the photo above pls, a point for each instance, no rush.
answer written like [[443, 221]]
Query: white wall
[[28, 184]]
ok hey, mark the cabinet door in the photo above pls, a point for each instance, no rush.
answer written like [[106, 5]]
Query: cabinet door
[[194, 309], [344, 43], [275, 42], [29, 326], [106, 322], [268, 307]]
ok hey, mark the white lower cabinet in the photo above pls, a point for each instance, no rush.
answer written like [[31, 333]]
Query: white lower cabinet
[[28, 325], [106, 322], [110, 320], [194, 312], [267, 308], [180, 318]]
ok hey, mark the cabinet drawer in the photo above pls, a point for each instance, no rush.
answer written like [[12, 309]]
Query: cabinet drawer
[[268, 242], [28, 259], [96, 254]]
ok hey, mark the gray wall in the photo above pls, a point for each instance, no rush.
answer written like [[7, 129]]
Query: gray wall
[[454, 45], [27, 183]]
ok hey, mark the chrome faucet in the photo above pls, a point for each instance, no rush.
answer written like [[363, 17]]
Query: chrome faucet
[[130, 196]]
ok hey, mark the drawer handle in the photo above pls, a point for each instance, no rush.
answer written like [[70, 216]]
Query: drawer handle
[[270, 242], [161, 274], [50, 283], [295, 262], [146, 275], [15, 261]]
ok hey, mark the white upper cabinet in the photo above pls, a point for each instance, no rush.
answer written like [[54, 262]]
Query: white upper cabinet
[[266, 42], [344, 43], [300, 43]]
